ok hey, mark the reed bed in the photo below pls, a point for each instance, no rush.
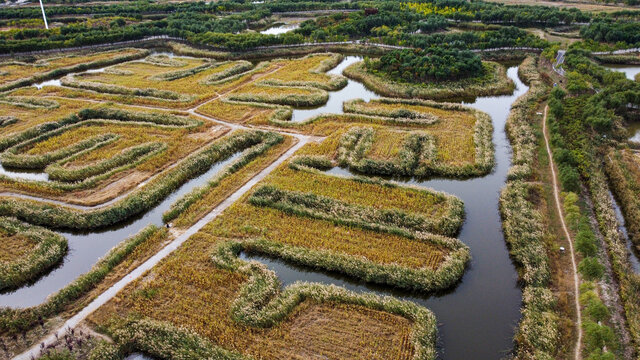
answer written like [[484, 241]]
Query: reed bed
[[237, 296], [628, 280], [268, 141], [308, 71], [493, 82], [181, 81], [433, 139], [128, 158], [165, 60], [326, 208], [90, 149], [280, 95], [158, 339], [245, 112], [8, 120], [621, 167], [137, 202], [179, 74], [402, 248], [21, 74], [48, 250], [538, 334], [29, 102], [14, 321], [228, 71], [121, 90]]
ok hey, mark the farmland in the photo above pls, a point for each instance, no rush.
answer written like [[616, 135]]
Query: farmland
[[382, 180]]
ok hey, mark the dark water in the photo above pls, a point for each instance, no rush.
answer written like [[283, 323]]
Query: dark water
[[478, 317], [86, 248], [633, 252], [634, 131]]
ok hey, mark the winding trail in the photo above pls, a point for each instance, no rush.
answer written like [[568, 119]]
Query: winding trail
[[556, 195]]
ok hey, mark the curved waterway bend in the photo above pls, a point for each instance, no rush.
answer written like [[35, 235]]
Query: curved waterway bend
[[353, 90], [85, 248], [478, 317]]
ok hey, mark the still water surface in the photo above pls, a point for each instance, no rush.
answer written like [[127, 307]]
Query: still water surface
[[85, 248], [478, 317]]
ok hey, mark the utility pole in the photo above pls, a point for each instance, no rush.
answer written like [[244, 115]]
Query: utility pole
[[44, 16]]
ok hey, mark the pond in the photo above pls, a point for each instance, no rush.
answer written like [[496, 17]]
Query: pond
[[280, 29], [478, 317], [630, 71]]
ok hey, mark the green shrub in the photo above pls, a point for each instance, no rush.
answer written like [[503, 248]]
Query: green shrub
[[591, 268], [597, 336], [586, 243]]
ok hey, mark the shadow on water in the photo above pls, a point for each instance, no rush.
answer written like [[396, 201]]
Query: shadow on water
[[634, 258], [85, 248], [478, 317]]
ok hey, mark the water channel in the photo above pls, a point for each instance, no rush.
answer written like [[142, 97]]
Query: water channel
[[477, 318], [85, 248], [633, 253]]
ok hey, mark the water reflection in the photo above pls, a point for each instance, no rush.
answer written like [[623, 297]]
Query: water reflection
[[353, 90], [629, 71], [280, 29], [85, 248], [138, 356], [631, 249], [478, 317]]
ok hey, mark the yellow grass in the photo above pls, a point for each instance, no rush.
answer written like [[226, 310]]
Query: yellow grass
[[301, 70], [12, 72], [189, 291], [180, 144], [14, 246], [246, 221], [233, 112], [230, 184], [359, 193]]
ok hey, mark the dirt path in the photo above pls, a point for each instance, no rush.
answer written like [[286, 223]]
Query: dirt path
[[111, 292], [556, 196]]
